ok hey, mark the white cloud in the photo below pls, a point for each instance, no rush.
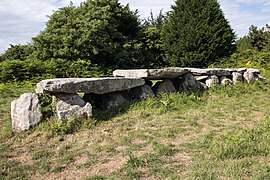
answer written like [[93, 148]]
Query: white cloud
[[23, 19]]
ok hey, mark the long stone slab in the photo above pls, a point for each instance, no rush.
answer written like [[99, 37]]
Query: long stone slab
[[210, 71], [165, 73], [88, 85]]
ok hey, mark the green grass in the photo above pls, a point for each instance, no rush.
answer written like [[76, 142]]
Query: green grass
[[222, 134]]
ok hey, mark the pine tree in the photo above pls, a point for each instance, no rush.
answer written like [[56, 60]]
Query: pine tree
[[196, 34]]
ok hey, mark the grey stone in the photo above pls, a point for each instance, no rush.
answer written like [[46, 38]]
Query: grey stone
[[165, 73], [142, 92], [259, 78], [249, 77], [202, 78], [107, 101], [237, 77], [166, 86], [225, 81], [204, 87], [113, 99], [191, 84], [254, 71], [72, 106], [131, 73], [88, 85], [239, 70], [209, 71], [212, 81], [25, 112]]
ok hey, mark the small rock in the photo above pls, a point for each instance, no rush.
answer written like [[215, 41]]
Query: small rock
[[25, 112], [212, 81], [72, 106], [225, 81], [249, 77], [237, 77]]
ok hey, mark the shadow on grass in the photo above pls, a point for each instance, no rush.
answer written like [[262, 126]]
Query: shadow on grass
[[108, 114]]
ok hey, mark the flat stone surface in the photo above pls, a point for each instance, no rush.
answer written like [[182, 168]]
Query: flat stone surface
[[88, 85], [210, 71], [25, 112], [239, 70], [165, 73]]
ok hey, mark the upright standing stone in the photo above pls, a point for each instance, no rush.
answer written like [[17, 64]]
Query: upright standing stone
[[166, 86], [142, 92], [72, 106], [25, 112], [237, 77], [212, 81], [225, 81], [249, 77], [191, 84]]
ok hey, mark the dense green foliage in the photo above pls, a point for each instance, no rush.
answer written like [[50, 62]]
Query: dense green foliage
[[257, 39], [252, 51], [152, 39], [196, 34], [17, 70], [102, 31], [18, 52]]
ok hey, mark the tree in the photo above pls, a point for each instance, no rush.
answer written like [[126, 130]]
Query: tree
[[197, 34], [152, 28], [102, 31], [17, 52]]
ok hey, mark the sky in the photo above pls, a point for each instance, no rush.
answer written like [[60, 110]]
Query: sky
[[20, 20]]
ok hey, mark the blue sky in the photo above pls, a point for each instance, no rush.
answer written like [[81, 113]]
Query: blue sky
[[23, 19]]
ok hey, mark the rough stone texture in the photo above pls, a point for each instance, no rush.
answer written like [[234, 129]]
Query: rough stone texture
[[131, 73], [249, 77], [225, 81], [25, 112], [166, 86], [210, 71], [142, 92], [239, 70], [111, 100], [259, 78], [107, 101], [237, 77], [212, 81], [166, 73], [204, 87], [72, 106], [202, 78], [88, 85], [254, 71], [191, 84]]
